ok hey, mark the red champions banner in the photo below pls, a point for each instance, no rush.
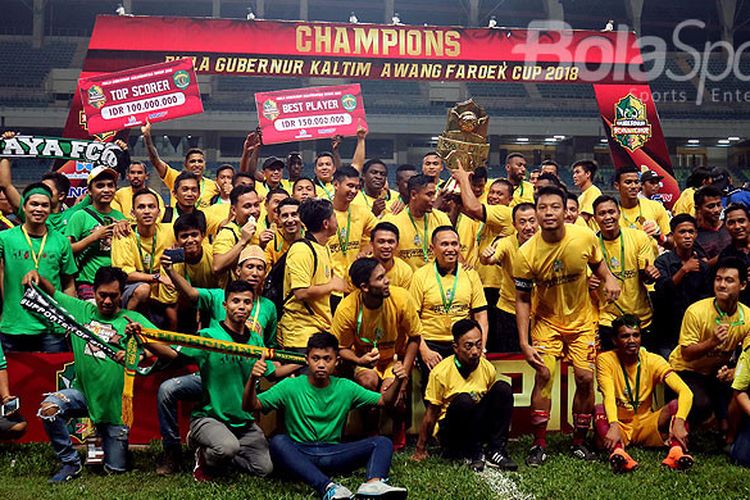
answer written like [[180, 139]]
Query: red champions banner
[[298, 49], [154, 93], [310, 113]]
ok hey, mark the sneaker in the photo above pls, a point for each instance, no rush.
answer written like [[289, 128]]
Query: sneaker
[[200, 470], [67, 472], [381, 489], [476, 464], [581, 452], [677, 459], [622, 462], [171, 461], [536, 457], [500, 459], [399, 436], [337, 491]]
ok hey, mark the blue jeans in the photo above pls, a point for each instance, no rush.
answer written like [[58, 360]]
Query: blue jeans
[[42, 342], [72, 403], [184, 388], [308, 461]]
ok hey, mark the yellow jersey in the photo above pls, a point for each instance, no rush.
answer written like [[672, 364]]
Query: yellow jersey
[[415, 235], [469, 233], [523, 193], [446, 382], [366, 200], [277, 247], [557, 272], [506, 254], [123, 201], [208, 187], [200, 274], [685, 204], [302, 319], [323, 190], [400, 274], [387, 328], [698, 324], [645, 210], [217, 215], [442, 300], [262, 188], [353, 234], [586, 200]]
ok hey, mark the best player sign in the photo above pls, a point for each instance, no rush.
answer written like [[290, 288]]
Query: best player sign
[[129, 98], [310, 113]]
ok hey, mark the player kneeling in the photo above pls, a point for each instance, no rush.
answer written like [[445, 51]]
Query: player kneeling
[[627, 377]]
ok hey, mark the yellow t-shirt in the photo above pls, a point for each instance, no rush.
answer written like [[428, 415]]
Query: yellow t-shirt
[[262, 188], [123, 201], [645, 210], [302, 319], [400, 274], [609, 375], [469, 231], [685, 204], [586, 200], [324, 191], [208, 187], [499, 218], [415, 236], [698, 325], [200, 274], [523, 193], [216, 215], [366, 200], [426, 295], [638, 253], [388, 327], [355, 225], [277, 247], [446, 382], [506, 254], [133, 253], [558, 273]]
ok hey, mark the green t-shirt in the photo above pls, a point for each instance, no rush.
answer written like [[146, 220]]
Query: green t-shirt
[[99, 378], [211, 300], [99, 254], [223, 377], [56, 260], [314, 415]]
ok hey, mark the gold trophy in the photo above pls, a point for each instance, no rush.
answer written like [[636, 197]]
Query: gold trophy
[[465, 137]]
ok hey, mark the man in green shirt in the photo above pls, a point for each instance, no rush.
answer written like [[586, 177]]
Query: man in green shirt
[[262, 321], [28, 247], [90, 230], [315, 409], [98, 385], [221, 430]]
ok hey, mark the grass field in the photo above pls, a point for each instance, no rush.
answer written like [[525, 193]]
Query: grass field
[[24, 470]]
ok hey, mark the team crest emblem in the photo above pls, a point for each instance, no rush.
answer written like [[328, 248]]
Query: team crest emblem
[[613, 262], [80, 429], [270, 110], [349, 102], [95, 97], [417, 240], [631, 128], [557, 266], [181, 79]]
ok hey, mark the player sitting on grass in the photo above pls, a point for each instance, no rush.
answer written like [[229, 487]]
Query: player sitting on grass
[[627, 377]]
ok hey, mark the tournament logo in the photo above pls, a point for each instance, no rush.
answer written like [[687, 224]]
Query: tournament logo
[[349, 102], [631, 128], [270, 110], [95, 97], [181, 79], [557, 266]]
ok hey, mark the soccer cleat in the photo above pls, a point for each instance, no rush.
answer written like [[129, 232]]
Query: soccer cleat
[[536, 457], [200, 470], [581, 452], [381, 489], [67, 472], [622, 462], [476, 464], [500, 459], [677, 459], [336, 491]]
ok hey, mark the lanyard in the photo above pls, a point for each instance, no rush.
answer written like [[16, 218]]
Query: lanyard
[[378, 331], [344, 244], [640, 219], [633, 398], [256, 308], [35, 256], [521, 186], [621, 275], [447, 301], [479, 233], [146, 263], [320, 183], [723, 315], [417, 240]]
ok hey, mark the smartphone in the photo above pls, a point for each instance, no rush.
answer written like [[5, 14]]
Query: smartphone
[[10, 407], [176, 254]]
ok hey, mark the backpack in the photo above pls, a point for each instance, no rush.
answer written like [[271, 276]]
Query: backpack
[[273, 287]]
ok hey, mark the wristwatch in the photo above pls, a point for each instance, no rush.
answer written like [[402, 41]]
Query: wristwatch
[[155, 277]]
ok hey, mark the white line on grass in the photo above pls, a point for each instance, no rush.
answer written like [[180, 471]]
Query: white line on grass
[[503, 485]]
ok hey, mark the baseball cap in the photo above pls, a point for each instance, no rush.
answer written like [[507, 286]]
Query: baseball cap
[[102, 170], [273, 162], [253, 252], [650, 175]]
